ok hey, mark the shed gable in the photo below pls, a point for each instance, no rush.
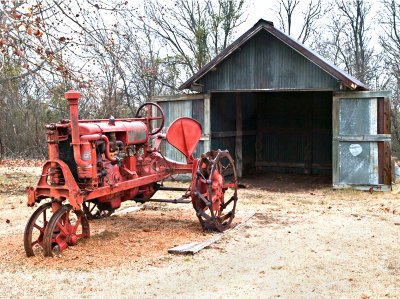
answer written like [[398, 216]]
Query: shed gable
[[266, 63]]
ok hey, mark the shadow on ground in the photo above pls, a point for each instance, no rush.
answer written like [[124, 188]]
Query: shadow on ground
[[287, 182]]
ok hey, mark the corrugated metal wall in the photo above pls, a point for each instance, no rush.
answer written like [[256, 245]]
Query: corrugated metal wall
[[264, 62], [177, 109], [358, 161]]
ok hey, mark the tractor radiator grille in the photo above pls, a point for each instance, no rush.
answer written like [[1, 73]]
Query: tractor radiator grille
[[67, 156]]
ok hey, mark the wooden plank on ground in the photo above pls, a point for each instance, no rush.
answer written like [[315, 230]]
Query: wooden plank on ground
[[194, 247], [128, 210]]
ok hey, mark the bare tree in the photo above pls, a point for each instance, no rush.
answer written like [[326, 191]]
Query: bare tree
[[287, 11], [195, 30], [224, 18], [390, 41], [347, 41]]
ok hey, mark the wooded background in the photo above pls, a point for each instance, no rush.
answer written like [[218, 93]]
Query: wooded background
[[119, 54]]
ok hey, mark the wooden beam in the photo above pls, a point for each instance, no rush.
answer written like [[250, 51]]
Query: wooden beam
[[335, 144], [279, 164], [239, 138], [308, 136], [362, 94], [381, 162], [387, 117], [259, 133], [363, 187], [292, 165], [231, 134], [192, 248], [179, 97], [207, 122], [387, 164], [361, 138], [380, 116]]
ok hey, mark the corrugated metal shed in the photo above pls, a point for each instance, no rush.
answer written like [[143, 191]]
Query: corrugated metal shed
[[278, 106]]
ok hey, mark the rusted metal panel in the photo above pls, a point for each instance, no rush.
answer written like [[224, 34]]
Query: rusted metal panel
[[358, 116], [175, 107], [358, 163], [258, 68], [198, 111], [264, 62], [361, 149]]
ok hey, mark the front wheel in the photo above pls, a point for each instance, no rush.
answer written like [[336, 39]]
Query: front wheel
[[214, 192], [64, 229], [35, 228]]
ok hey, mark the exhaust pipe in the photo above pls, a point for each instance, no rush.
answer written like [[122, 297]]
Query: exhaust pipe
[[82, 150]]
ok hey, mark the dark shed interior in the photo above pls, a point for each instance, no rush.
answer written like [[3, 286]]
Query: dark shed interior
[[281, 131]]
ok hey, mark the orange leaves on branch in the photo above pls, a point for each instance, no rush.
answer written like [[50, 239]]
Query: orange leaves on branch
[[18, 53], [37, 32], [29, 30], [16, 15], [62, 39], [48, 52]]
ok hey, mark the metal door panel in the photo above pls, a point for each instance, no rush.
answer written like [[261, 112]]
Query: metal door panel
[[359, 157]]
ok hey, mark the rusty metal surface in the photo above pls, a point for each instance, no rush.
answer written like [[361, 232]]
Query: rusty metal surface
[[176, 109], [359, 168], [248, 59], [358, 117]]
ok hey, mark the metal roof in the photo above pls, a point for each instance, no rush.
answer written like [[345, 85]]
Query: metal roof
[[348, 80]]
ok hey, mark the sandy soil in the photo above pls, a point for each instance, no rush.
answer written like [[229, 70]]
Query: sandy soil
[[304, 241]]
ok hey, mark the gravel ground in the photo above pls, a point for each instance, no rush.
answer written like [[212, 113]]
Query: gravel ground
[[304, 241]]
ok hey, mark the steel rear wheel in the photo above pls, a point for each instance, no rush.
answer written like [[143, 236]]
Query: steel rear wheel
[[64, 229], [35, 228], [215, 190], [95, 210]]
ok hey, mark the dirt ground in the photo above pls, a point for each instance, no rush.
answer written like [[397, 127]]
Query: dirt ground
[[305, 240]]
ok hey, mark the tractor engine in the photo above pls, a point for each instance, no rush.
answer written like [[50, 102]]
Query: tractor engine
[[102, 153]]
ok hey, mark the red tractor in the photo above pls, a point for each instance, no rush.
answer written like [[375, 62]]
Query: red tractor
[[94, 165]]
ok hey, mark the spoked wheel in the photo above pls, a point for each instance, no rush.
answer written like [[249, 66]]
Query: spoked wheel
[[34, 230], [215, 190], [95, 210], [64, 229]]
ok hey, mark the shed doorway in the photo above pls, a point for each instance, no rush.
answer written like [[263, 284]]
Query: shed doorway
[[277, 131]]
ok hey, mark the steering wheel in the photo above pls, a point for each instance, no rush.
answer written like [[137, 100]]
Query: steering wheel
[[145, 112]]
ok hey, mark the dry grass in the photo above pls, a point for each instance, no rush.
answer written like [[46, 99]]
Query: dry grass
[[305, 241]]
